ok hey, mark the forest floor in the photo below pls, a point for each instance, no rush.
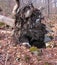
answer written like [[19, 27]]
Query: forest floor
[[11, 54]]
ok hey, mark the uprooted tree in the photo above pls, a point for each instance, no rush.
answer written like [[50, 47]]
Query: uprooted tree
[[28, 27]]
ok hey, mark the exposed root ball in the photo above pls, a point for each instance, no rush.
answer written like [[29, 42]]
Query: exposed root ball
[[30, 29]]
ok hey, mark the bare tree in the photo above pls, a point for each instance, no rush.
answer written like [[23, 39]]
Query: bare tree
[[48, 2]]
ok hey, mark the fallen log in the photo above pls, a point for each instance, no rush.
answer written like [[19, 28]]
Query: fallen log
[[7, 20]]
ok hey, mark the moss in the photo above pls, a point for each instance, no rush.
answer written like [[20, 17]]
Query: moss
[[1, 24], [36, 51], [32, 49]]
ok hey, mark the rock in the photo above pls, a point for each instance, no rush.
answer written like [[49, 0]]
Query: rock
[[47, 39]]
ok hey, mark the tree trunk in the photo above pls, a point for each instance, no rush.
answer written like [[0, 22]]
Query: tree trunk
[[7, 20]]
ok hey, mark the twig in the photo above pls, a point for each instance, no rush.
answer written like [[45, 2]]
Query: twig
[[6, 59]]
